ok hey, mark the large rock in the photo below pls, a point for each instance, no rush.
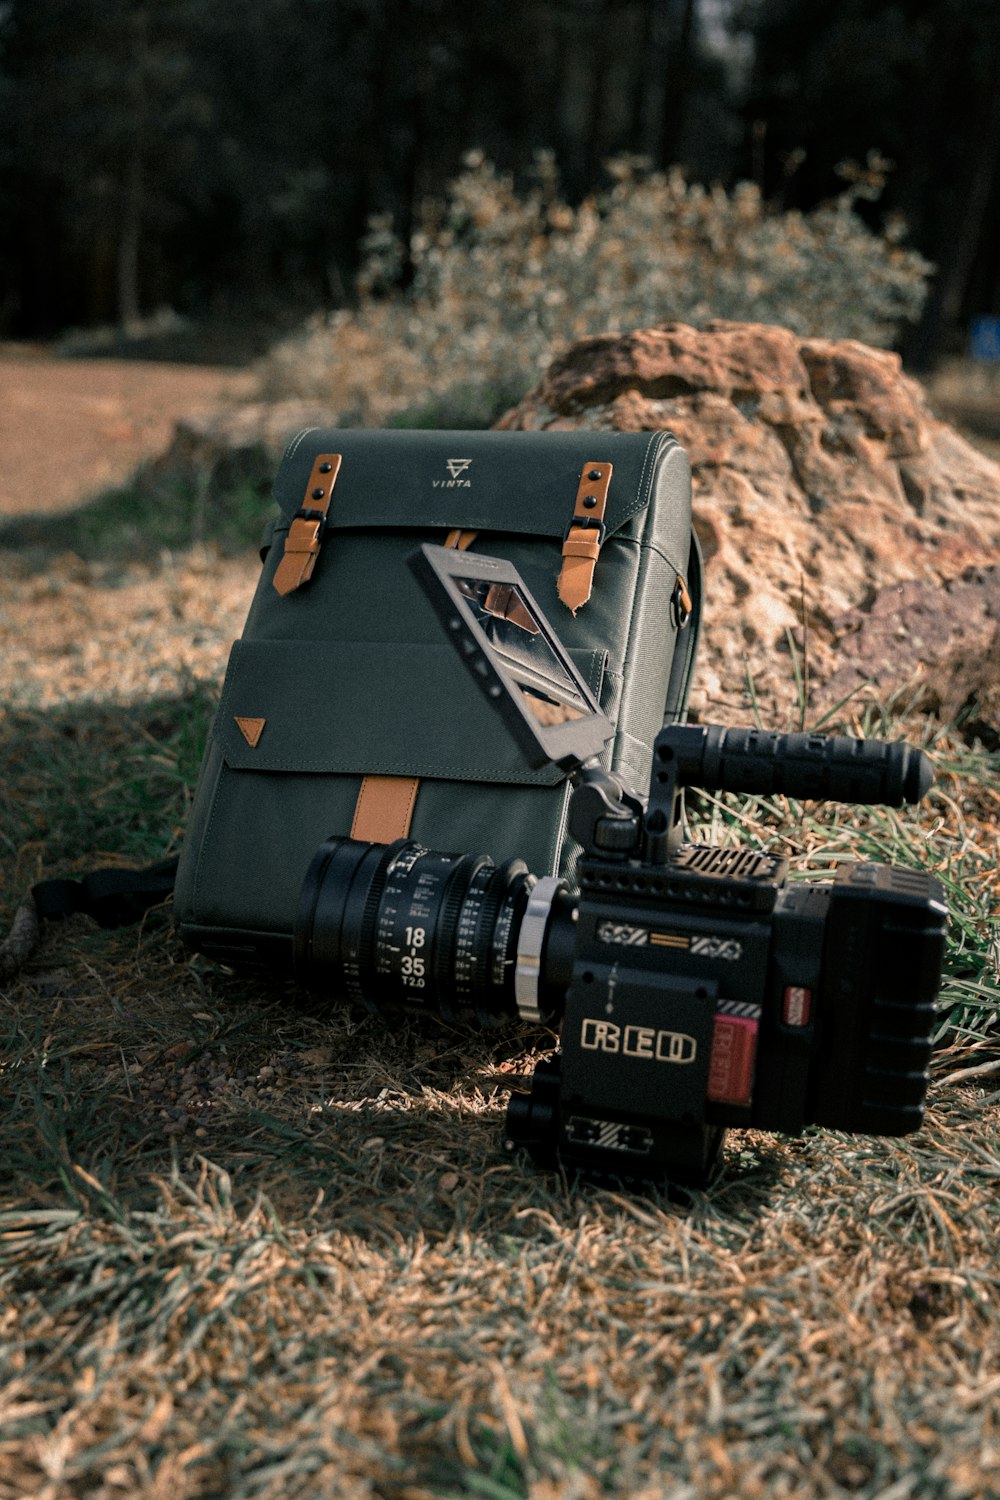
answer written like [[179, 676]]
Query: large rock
[[846, 530]]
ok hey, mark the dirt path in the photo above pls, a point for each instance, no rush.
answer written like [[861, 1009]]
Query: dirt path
[[71, 428]]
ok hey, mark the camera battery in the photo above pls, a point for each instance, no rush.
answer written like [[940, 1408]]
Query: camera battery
[[734, 1053]]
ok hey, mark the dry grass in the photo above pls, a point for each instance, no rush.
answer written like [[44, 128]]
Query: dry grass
[[253, 1247], [285, 1256]]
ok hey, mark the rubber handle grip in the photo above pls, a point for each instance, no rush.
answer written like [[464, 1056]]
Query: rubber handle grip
[[835, 768]]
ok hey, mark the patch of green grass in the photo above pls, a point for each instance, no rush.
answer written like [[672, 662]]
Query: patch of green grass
[[143, 518], [97, 780], [57, 1115], [502, 1476], [464, 407]]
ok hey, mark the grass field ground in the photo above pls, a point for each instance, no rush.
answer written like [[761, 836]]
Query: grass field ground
[[254, 1246]]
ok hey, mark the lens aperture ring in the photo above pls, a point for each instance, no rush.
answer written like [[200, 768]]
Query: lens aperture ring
[[405, 924]]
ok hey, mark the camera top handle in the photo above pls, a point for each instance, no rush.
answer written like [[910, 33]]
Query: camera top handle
[[608, 821], [833, 767], [836, 768]]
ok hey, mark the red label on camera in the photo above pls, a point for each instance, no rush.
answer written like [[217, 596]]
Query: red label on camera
[[797, 1005], [730, 1069]]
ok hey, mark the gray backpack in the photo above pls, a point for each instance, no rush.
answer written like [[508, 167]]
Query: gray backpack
[[345, 711]]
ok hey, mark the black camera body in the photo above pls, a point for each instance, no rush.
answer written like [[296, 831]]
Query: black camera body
[[694, 987], [707, 991]]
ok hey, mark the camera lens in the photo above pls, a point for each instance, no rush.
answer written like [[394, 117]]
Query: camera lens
[[400, 924]]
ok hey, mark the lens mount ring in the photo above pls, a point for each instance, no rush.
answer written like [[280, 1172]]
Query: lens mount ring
[[530, 941]]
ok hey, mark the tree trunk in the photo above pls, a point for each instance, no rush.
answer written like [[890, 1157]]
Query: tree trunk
[[129, 309], [970, 232], [677, 84], [946, 304], [638, 134], [130, 229]]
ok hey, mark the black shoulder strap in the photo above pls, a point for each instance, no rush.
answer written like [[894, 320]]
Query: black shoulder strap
[[114, 898], [686, 644]]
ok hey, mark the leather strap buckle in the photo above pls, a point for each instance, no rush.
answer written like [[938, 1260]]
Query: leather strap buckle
[[587, 523], [585, 535], [305, 534]]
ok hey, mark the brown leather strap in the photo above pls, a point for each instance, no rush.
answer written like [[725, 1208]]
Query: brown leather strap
[[384, 809], [502, 601], [305, 534], [584, 535]]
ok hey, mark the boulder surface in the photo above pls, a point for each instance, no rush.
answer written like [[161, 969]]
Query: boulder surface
[[850, 537]]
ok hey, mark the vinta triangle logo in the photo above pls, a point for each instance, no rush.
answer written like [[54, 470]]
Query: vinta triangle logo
[[457, 469]]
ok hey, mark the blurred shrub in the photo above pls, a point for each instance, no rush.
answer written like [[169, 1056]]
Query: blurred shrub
[[499, 281]]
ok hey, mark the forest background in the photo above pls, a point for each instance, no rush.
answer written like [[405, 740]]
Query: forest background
[[226, 163]]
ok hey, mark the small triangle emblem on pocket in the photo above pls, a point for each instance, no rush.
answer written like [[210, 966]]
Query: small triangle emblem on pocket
[[251, 730]]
